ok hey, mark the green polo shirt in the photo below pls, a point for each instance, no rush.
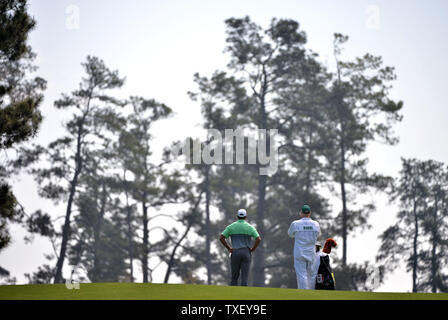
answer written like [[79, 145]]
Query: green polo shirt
[[241, 233]]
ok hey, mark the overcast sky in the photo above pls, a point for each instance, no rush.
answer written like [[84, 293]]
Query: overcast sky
[[159, 45]]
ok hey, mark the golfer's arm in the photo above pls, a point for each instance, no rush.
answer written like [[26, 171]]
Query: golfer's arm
[[224, 242], [257, 242]]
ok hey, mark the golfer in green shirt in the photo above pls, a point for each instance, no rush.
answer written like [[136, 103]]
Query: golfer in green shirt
[[241, 233]]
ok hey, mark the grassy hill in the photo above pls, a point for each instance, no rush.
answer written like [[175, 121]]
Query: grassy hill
[[139, 291]]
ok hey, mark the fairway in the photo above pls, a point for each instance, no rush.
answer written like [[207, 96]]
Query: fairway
[[140, 291]]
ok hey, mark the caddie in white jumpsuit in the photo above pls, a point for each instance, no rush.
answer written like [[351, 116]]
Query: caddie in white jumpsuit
[[305, 232]]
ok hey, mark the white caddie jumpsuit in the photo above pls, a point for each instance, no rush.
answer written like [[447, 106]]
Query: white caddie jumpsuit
[[305, 231]]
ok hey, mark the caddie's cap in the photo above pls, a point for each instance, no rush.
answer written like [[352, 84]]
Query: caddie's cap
[[242, 213], [306, 208]]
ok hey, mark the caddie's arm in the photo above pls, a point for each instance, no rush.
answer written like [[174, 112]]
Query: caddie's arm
[[291, 231], [224, 243], [318, 234]]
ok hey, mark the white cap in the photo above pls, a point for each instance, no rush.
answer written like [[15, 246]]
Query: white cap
[[242, 213]]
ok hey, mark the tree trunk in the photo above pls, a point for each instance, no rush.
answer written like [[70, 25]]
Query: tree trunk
[[344, 206], [97, 234], [173, 254], [308, 169], [414, 257], [130, 233], [177, 245], [434, 250], [66, 230], [259, 259], [344, 200], [207, 226], [95, 238], [342, 177], [68, 212], [145, 243], [259, 271]]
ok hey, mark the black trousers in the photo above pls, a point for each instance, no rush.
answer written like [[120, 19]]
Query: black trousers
[[240, 262]]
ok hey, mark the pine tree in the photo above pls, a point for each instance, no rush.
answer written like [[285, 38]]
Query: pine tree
[[434, 276], [20, 98], [402, 241], [419, 236], [151, 185], [260, 59], [362, 111], [221, 97], [67, 155]]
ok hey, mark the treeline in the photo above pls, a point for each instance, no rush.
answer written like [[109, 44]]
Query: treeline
[[127, 210]]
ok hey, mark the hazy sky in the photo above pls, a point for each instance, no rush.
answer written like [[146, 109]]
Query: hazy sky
[[159, 45]]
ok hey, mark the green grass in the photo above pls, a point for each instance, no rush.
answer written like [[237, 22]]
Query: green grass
[[138, 291]]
